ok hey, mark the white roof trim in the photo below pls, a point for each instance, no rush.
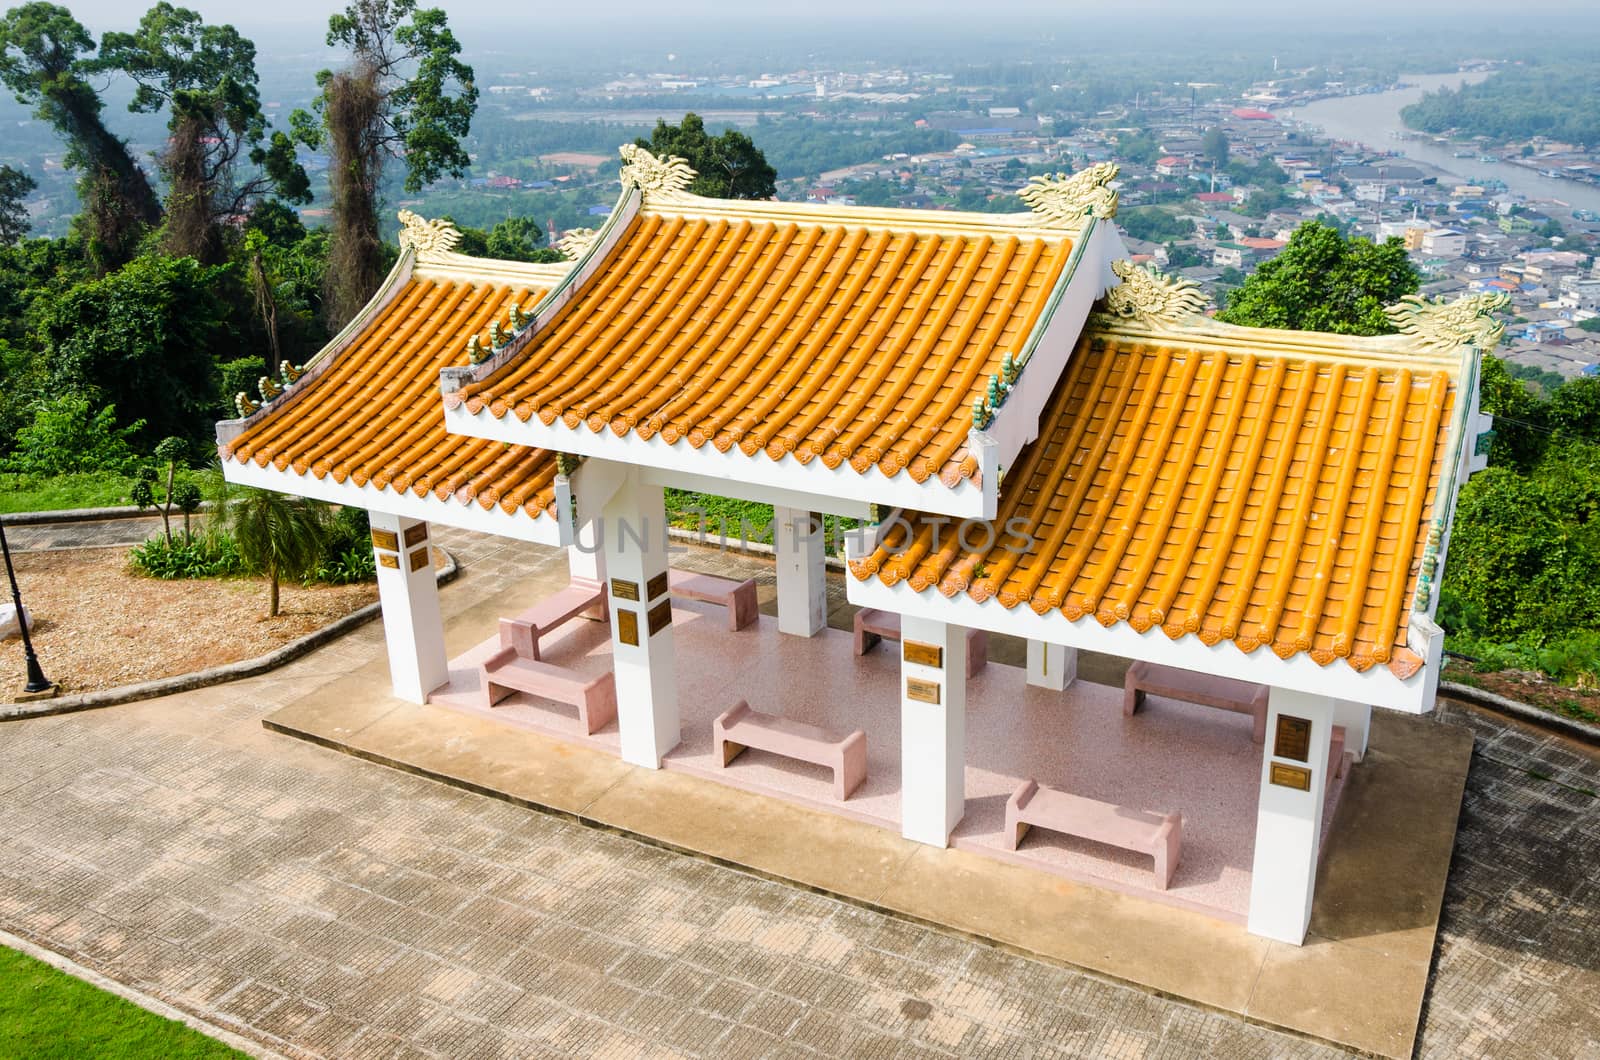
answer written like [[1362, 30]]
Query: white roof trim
[[544, 530], [1378, 686], [724, 472]]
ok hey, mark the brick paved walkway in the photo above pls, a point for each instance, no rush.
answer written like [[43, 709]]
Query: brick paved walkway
[[326, 906], [97, 533]]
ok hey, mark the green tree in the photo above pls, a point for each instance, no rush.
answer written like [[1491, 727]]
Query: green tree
[[518, 239], [171, 452], [1573, 411], [278, 535], [513, 239], [45, 60], [1214, 146], [1525, 549], [729, 166], [1155, 224], [1520, 428], [15, 186], [67, 435], [143, 339], [404, 95], [1322, 281], [205, 77]]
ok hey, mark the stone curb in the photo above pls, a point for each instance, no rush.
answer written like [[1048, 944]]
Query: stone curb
[[145, 1001], [1544, 719], [216, 675], [85, 515]]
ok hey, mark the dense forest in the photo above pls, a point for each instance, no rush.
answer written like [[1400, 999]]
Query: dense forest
[[1557, 101]]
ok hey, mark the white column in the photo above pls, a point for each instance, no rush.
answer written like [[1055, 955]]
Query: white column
[[635, 556], [1052, 666], [1289, 819], [1357, 721], [413, 630], [933, 730], [586, 557], [802, 571]]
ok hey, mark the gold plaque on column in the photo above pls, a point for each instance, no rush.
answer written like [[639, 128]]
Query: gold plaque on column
[[660, 617], [389, 559], [1292, 738], [657, 586], [419, 559], [922, 691], [416, 535], [386, 539], [628, 626], [1296, 777], [922, 654], [624, 590]]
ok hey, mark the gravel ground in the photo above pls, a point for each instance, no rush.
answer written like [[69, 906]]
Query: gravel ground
[[98, 626]]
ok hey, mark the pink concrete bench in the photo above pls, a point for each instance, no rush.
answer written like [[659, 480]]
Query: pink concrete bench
[[1207, 690], [871, 625], [738, 597], [1157, 834], [507, 671], [742, 727], [523, 631]]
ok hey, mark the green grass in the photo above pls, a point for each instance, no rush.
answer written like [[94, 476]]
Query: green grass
[[722, 515], [88, 489], [47, 1014]]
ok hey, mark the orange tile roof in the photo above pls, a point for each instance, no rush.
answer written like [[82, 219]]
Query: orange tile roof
[[858, 338], [373, 415], [1231, 491]]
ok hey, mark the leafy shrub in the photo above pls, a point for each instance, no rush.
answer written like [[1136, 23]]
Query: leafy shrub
[[1572, 659], [211, 555], [351, 565], [347, 554], [349, 529], [67, 435], [240, 374]]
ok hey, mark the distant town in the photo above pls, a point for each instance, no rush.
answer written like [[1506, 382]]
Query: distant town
[[1214, 178], [1210, 189]]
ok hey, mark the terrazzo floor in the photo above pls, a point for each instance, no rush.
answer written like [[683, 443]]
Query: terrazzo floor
[[1171, 756]]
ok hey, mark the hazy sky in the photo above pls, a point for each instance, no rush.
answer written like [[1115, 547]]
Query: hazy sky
[[100, 14]]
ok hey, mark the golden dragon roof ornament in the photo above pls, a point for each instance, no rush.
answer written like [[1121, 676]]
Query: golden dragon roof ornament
[[1149, 297], [1070, 199], [1445, 326], [431, 240], [576, 243], [652, 175]]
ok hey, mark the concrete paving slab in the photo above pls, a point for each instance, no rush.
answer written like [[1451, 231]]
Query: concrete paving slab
[[1169, 950], [1353, 995], [1372, 964], [776, 838], [1380, 841]]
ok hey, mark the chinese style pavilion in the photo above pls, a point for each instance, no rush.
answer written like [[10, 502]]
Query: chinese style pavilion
[[1044, 439]]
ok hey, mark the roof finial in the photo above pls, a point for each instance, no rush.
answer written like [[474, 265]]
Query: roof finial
[[1149, 297], [576, 243], [1070, 199], [1445, 326], [430, 240], [651, 175]]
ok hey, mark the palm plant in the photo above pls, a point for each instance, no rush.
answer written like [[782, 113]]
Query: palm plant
[[278, 535]]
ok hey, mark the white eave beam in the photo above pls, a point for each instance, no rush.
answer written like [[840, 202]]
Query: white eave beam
[[545, 530], [1378, 686], [813, 485]]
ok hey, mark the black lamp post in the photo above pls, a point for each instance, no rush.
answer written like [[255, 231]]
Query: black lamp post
[[36, 678]]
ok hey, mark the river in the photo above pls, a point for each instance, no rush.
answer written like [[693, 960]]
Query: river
[[1370, 119]]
